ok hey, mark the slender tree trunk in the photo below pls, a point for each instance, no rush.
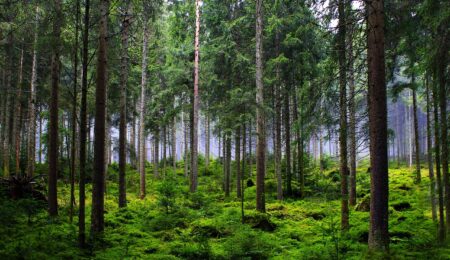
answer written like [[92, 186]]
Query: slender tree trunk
[[142, 111], [244, 151], [74, 114], [278, 133], [227, 146], [343, 168], [440, 186], [430, 154], [250, 159], [174, 143], [123, 105], [133, 155], [298, 133], [416, 135], [156, 155], [352, 121], [379, 180], [53, 130], [186, 145], [98, 194], [287, 139], [441, 73], [18, 113], [208, 138], [194, 141], [237, 158], [32, 106], [260, 117]]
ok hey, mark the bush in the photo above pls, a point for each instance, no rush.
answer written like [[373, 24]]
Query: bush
[[167, 192]]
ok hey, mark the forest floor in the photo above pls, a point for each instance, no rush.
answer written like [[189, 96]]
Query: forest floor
[[170, 223]]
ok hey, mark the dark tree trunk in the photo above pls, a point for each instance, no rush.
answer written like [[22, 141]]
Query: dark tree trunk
[[430, 154], [227, 165], [379, 182], [260, 117], [437, 146], [441, 73], [97, 217], [74, 113], [53, 130], [352, 113], [18, 121], [123, 105], [343, 168], [287, 140], [237, 158], [416, 135], [83, 129]]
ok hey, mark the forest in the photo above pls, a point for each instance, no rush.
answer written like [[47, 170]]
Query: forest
[[224, 129]]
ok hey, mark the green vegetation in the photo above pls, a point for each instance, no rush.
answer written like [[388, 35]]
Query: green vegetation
[[171, 223]]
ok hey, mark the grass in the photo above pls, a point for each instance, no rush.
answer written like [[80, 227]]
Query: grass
[[171, 223]]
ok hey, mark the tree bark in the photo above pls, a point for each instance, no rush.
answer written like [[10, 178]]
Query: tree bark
[[142, 111], [237, 158], [437, 146], [18, 120], [83, 129], [194, 141], [260, 117], [441, 73], [430, 153], [53, 129], [74, 114], [97, 217], [227, 146], [32, 105], [416, 134], [352, 119], [123, 104], [287, 139], [343, 168], [379, 180]]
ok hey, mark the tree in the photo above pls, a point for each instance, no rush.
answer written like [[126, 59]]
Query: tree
[[142, 105], [98, 184], [194, 141], [53, 130], [32, 105], [343, 168], [123, 104], [260, 118], [83, 129], [377, 105]]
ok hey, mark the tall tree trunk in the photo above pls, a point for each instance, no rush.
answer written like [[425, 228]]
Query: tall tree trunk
[[250, 159], [32, 106], [18, 113], [74, 113], [194, 141], [123, 104], [133, 156], [441, 73], [287, 140], [379, 180], [343, 168], [142, 111], [352, 112], [437, 146], [430, 153], [208, 138], [227, 146], [8, 95], [244, 151], [53, 130], [186, 145], [98, 194], [156, 155], [298, 136], [278, 131], [237, 158], [416, 134], [174, 143], [260, 117]]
